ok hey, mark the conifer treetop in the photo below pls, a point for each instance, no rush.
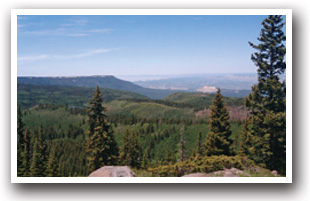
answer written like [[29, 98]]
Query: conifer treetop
[[270, 55]]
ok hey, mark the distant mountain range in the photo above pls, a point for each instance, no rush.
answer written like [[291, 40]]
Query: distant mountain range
[[204, 82], [109, 82], [231, 84], [155, 89]]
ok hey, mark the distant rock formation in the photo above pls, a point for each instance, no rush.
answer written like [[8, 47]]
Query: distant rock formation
[[113, 171]]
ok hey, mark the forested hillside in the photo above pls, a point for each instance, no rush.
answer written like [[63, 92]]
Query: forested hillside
[[31, 95]]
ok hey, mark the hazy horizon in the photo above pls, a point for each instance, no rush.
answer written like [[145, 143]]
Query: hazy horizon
[[146, 77]]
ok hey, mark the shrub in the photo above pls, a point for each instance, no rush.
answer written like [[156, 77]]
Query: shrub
[[205, 164]]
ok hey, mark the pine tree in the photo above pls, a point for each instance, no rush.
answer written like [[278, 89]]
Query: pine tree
[[100, 146], [248, 141], [20, 140], [131, 151], [146, 157], [96, 148], [218, 140], [20, 126], [52, 166], [39, 156], [26, 155], [125, 157], [43, 147], [96, 112], [267, 102], [112, 148]]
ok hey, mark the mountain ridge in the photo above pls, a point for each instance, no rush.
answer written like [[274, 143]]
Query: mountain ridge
[[103, 81]]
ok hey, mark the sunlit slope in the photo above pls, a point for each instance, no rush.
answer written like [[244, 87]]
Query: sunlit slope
[[148, 110]]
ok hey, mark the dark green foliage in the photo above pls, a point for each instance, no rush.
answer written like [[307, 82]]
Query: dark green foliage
[[131, 151], [71, 157], [39, 156], [202, 164], [20, 126], [101, 146], [52, 165], [197, 101], [267, 102], [26, 155], [218, 140], [146, 158], [20, 140], [96, 112], [182, 145], [95, 148], [236, 144], [169, 158], [248, 141], [58, 123], [73, 96], [200, 148], [112, 150]]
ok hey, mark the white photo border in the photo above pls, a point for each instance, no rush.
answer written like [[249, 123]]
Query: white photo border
[[289, 97]]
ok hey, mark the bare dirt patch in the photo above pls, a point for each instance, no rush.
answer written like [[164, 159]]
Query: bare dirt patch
[[235, 113]]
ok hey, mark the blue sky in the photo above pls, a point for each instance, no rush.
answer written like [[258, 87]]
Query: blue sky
[[135, 45]]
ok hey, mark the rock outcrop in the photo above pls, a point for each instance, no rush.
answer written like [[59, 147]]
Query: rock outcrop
[[113, 171]]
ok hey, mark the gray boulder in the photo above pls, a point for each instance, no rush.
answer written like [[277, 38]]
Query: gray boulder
[[113, 171]]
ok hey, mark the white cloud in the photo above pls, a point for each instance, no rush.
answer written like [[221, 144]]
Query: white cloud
[[99, 31], [87, 53], [76, 34], [38, 32], [32, 58], [22, 17], [21, 25], [76, 22], [67, 32]]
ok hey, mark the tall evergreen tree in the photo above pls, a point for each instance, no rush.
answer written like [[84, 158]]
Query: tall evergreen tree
[[20, 126], [39, 156], [101, 146], [218, 140], [52, 169], [96, 112], [26, 155], [146, 158], [248, 141], [125, 157], [131, 151], [20, 140], [96, 148], [267, 102]]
